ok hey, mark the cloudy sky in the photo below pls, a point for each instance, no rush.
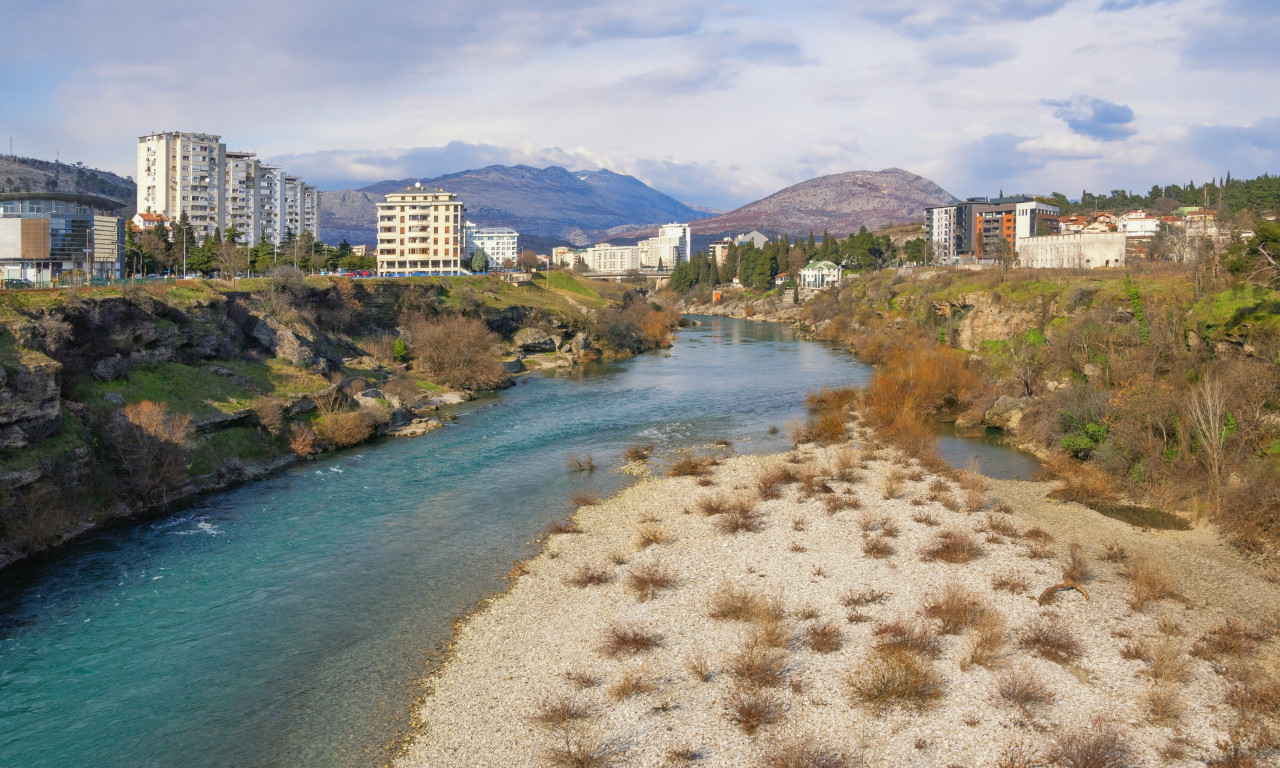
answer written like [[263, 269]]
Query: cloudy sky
[[714, 103]]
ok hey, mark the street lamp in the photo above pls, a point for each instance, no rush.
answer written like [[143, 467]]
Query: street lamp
[[128, 248]]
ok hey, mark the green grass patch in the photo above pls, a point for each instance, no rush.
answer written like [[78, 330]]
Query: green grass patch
[[424, 384], [276, 376], [1256, 305], [244, 443], [67, 439], [184, 388]]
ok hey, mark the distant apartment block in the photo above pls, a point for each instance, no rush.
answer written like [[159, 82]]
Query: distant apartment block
[[498, 243], [719, 250], [604, 257], [420, 231], [970, 230], [193, 173], [755, 238], [672, 245], [1083, 250]]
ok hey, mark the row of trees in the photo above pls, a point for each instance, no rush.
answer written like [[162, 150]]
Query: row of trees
[[158, 250], [1226, 195]]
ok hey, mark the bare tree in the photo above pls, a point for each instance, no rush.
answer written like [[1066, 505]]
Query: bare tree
[[528, 260], [1207, 406], [231, 259], [1026, 361]]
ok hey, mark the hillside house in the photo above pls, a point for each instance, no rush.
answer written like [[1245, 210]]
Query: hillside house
[[819, 274]]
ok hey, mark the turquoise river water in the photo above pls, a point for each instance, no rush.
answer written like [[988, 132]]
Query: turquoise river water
[[289, 622]]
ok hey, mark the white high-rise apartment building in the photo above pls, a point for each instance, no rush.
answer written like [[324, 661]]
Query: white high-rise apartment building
[[420, 231], [672, 246], [612, 258], [193, 173], [498, 243]]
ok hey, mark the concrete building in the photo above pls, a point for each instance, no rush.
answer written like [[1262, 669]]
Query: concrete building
[[968, 231], [1138, 224], [420, 231], [755, 238], [193, 173], [498, 243], [672, 246], [612, 258], [45, 236], [1075, 251], [719, 250], [819, 274], [563, 256], [939, 230]]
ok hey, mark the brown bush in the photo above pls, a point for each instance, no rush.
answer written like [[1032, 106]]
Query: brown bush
[[1049, 636], [381, 348], [858, 598], [758, 666], [699, 665], [1014, 583], [1097, 744], [588, 574], [269, 413], [638, 452], [986, 642], [799, 752], [736, 604], [562, 526], [343, 429], [629, 640], [578, 749], [584, 463], [896, 676], [892, 483], [753, 708], [457, 351], [688, 466], [650, 534], [646, 581], [914, 636], [1151, 582], [1022, 687], [877, 547], [953, 546], [584, 498], [1230, 639], [824, 638], [402, 388], [560, 711], [632, 683], [1077, 569], [1164, 703], [925, 518], [154, 446], [955, 608]]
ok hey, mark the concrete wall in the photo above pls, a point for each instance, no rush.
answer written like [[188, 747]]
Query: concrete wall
[[1074, 251]]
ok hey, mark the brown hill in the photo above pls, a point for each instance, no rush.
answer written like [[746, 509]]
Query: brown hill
[[839, 203]]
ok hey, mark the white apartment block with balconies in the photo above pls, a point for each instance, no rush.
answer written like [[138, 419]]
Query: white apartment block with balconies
[[420, 231], [498, 243], [612, 258], [669, 248], [193, 173]]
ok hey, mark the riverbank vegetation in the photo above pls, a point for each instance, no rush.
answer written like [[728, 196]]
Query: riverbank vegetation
[[125, 399]]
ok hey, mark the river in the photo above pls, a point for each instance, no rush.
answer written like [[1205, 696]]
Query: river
[[289, 622]]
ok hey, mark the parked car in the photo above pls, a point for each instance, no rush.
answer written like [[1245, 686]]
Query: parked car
[[18, 282]]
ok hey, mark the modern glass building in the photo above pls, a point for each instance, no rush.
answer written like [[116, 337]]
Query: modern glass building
[[48, 237]]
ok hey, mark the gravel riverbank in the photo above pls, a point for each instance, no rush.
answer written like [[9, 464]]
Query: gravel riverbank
[[658, 636]]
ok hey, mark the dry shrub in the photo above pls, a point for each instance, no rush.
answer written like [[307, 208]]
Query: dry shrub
[[1038, 534], [580, 680], [753, 708], [800, 752], [896, 676], [1112, 552], [824, 638], [953, 546], [685, 754], [974, 487], [578, 749], [638, 452], [858, 598], [844, 466], [633, 682], [823, 428], [955, 608], [878, 547], [584, 463], [798, 523], [892, 484], [699, 665], [560, 711], [345, 428], [457, 351], [1077, 569], [1082, 483], [588, 574], [771, 631], [913, 382], [646, 581], [562, 526], [770, 483], [833, 504], [269, 413], [758, 666], [302, 440], [1164, 703], [402, 387], [154, 445], [987, 641], [1019, 754], [1151, 582], [584, 498], [1096, 744], [620, 639], [1049, 637], [1169, 664], [737, 604], [908, 635], [925, 518], [1001, 525], [381, 348], [1022, 687], [831, 399], [1011, 582], [688, 466], [650, 534], [739, 517], [1230, 639], [1038, 550]]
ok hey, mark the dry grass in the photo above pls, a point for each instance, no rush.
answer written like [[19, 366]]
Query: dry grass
[[824, 638], [560, 711], [689, 466], [576, 749], [925, 518], [833, 504], [1011, 582], [798, 523], [580, 679], [583, 463], [752, 709], [650, 534], [638, 452], [1022, 687], [1151, 582], [632, 683], [1019, 753], [733, 603], [622, 640], [1164, 703], [700, 666], [1230, 639], [1077, 569], [1112, 552], [1038, 550], [908, 635], [647, 580], [1049, 637], [955, 608], [1096, 744], [798, 752], [878, 547], [589, 574], [584, 498], [1169, 663], [987, 641], [562, 526], [740, 517], [1038, 534], [892, 483], [683, 755], [974, 487], [896, 676], [953, 546], [758, 665], [770, 483], [857, 598], [1002, 525]]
